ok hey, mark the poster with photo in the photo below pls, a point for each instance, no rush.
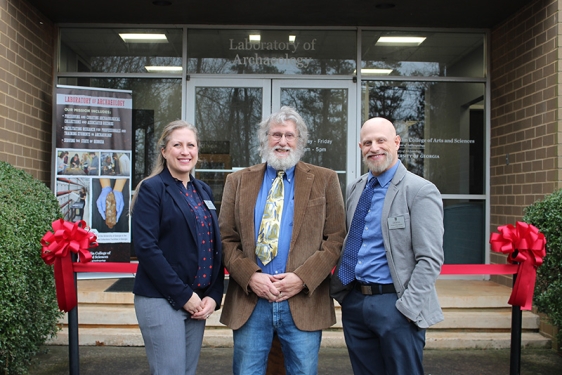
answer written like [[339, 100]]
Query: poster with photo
[[93, 165]]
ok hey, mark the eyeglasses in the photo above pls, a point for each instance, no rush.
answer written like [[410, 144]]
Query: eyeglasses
[[288, 136]]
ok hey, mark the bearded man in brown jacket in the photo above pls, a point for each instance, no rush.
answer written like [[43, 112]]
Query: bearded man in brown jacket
[[285, 292]]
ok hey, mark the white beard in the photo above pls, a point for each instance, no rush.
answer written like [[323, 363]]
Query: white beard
[[379, 167], [284, 163]]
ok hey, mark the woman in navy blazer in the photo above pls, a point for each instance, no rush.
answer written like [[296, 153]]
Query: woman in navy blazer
[[179, 282]]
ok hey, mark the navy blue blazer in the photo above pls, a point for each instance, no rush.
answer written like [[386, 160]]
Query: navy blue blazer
[[165, 242]]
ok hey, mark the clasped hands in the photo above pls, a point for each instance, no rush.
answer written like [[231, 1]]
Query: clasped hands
[[276, 288], [200, 309]]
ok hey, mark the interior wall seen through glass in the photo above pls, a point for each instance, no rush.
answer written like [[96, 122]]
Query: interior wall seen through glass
[[110, 51], [464, 231], [422, 53], [442, 129]]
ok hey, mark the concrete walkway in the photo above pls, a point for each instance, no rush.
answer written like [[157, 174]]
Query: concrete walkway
[[95, 360]]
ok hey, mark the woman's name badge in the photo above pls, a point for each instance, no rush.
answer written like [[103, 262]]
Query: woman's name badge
[[210, 205]]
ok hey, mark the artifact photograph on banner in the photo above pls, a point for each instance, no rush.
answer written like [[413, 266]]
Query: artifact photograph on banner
[[93, 165]]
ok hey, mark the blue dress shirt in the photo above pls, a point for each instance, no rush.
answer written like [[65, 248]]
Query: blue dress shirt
[[372, 265], [277, 264]]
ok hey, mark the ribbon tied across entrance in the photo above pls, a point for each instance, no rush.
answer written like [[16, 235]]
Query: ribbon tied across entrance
[[526, 246], [66, 238]]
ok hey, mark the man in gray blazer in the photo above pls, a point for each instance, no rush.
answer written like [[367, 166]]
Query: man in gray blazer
[[393, 252]]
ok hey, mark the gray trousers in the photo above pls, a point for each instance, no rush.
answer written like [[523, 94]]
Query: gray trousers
[[172, 339]]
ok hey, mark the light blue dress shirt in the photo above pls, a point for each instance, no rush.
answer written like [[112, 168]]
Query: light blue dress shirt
[[372, 265], [277, 264]]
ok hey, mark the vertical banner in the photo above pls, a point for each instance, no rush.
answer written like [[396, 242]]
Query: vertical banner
[[93, 164]]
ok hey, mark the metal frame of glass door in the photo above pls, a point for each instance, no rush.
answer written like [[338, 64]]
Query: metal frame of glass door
[[353, 162], [272, 102]]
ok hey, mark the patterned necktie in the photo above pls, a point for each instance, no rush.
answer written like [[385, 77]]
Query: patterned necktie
[[268, 236], [355, 236]]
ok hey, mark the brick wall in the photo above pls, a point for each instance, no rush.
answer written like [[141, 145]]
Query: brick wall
[[26, 86], [524, 118]]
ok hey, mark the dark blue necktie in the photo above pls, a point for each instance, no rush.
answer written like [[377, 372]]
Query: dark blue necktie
[[355, 236]]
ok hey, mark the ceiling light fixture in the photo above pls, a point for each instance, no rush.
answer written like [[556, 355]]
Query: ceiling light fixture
[[407, 41], [292, 38], [167, 69], [255, 38], [376, 71], [143, 38]]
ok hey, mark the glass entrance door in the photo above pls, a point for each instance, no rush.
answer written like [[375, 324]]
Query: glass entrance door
[[227, 112], [327, 109]]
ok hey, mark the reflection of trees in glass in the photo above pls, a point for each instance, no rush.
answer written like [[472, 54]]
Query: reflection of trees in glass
[[228, 66], [145, 152], [207, 65], [404, 105], [230, 114], [156, 102], [385, 101], [410, 152], [325, 113], [329, 67], [130, 64], [417, 68], [227, 120], [405, 68], [256, 69]]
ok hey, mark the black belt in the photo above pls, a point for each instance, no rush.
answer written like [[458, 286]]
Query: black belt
[[370, 289]]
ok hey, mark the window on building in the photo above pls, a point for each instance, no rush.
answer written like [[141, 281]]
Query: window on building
[[304, 52]]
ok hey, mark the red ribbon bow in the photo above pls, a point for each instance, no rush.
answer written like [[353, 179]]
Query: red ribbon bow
[[67, 238], [526, 246]]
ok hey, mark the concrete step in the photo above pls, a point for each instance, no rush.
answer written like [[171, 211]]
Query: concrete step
[[462, 319], [485, 319], [117, 315], [477, 315], [483, 340], [452, 293], [435, 339], [472, 294]]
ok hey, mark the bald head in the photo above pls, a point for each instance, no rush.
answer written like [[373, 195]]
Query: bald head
[[379, 145], [379, 124]]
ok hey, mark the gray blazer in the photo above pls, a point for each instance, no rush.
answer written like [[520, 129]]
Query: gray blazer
[[412, 229]]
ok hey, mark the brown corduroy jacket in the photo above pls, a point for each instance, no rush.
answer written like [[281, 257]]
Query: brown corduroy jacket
[[316, 243]]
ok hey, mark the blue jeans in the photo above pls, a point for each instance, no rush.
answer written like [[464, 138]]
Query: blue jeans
[[252, 341], [172, 339]]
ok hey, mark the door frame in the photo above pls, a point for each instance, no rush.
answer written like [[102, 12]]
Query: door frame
[[353, 163], [271, 101]]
